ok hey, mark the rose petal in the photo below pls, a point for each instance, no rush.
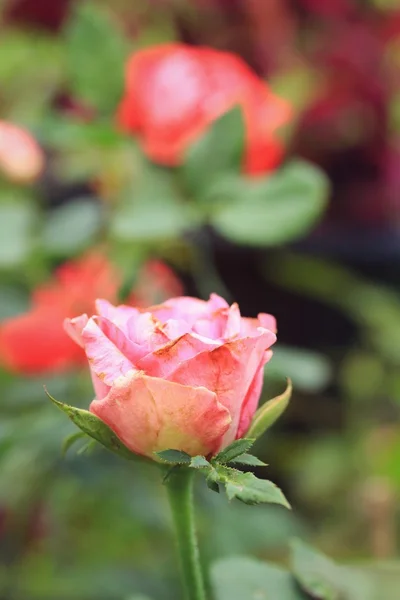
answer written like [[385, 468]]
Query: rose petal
[[150, 414], [228, 371], [166, 359], [250, 403], [107, 349], [74, 328]]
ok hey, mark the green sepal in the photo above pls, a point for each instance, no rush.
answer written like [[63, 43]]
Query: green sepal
[[70, 441], [269, 412], [237, 448], [88, 447], [94, 428], [248, 460], [174, 457]]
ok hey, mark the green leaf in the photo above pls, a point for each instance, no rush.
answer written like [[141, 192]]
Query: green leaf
[[96, 52], [309, 371], [72, 227], [154, 210], [17, 223], [71, 439], [320, 577], [174, 457], [270, 211], [218, 152], [269, 412], [235, 449], [95, 428], [199, 462], [246, 487], [249, 460], [243, 578]]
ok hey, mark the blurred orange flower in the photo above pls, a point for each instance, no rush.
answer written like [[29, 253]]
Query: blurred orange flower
[[35, 342], [21, 158], [174, 92]]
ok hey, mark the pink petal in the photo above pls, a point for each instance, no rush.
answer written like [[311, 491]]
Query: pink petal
[[166, 359], [183, 308], [268, 322], [228, 371], [107, 348], [232, 328], [150, 414], [145, 331], [250, 403], [216, 303], [119, 315], [74, 328], [251, 326]]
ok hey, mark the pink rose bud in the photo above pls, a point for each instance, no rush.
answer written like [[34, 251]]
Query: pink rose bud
[[21, 158], [186, 374]]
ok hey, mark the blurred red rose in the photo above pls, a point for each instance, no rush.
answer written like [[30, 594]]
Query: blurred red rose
[[174, 92], [21, 158], [35, 342]]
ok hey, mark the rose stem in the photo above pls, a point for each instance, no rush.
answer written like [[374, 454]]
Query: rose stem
[[180, 495]]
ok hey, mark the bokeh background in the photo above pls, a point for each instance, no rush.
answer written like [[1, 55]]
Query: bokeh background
[[89, 526]]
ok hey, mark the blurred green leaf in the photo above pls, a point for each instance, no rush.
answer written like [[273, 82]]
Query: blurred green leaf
[[17, 223], [72, 227], [309, 371], [244, 578], [270, 211], [96, 52], [269, 412], [218, 152], [152, 211], [26, 89], [323, 579]]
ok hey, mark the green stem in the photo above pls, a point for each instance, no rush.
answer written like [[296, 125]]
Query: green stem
[[180, 495]]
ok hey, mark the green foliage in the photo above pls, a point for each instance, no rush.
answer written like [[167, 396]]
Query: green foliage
[[310, 371], [153, 210], [322, 578], [243, 578], [18, 219], [237, 448], [269, 412], [269, 211], [246, 487], [72, 227], [248, 460], [96, 51], [217, 153]]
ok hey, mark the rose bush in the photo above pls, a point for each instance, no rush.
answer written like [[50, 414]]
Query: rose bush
[[174, 92], [186, 374]]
